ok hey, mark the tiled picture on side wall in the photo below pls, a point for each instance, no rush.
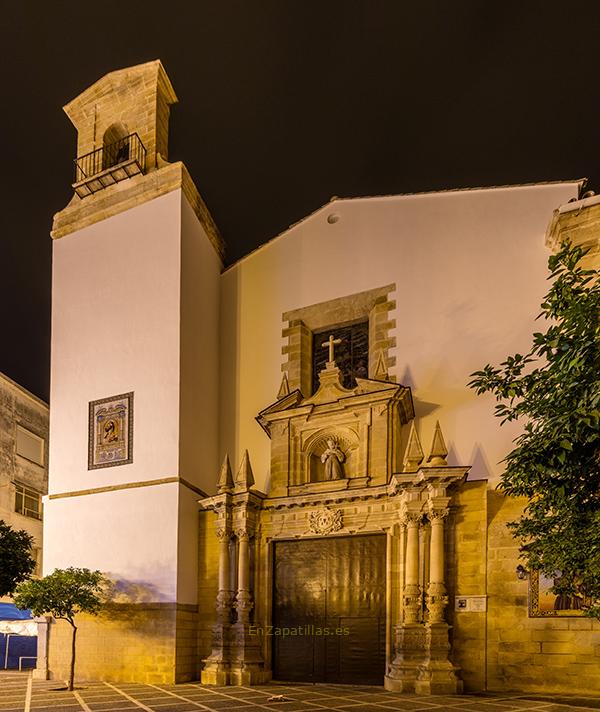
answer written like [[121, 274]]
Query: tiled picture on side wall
[[110, 434], [542, 602]]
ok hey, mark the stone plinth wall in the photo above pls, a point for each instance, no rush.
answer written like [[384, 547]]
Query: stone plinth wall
[[153, 643], [208, 569], [504, 649], [466, 567], [187, 664], [551, 654]]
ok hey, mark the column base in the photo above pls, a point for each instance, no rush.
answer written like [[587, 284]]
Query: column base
[[437, 675], [236, 658], [249, 674], [218, 664], [215, 673], [438, 679], [410, 653]]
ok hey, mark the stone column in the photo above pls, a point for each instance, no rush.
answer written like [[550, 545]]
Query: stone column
[[410, 634], [436, 590], [248, 667], [437, 676], [225, 594], [243, 601], [412, 590]]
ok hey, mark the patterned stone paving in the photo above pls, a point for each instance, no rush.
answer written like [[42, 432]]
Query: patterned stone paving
[[20, 693]]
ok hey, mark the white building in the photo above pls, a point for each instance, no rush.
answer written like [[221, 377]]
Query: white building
[[23, 460]]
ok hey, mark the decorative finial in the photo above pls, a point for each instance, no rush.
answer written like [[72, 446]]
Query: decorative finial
[[245, 477], [381, 373], [330, 343], [414, 454], [225, 479], [438, 450], [284, 388]]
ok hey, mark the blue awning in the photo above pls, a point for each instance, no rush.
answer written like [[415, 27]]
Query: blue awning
[[9, 612]]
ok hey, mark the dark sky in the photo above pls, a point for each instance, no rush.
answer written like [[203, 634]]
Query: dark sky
[[284, 103]]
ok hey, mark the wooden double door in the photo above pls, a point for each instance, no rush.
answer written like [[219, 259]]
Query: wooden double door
[[329, 610]]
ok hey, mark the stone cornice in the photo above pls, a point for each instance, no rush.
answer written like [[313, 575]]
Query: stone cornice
[[435, 477], [140, 189], [127, 485], [319, 498], [579, 224], [366, 394], [253, 498]]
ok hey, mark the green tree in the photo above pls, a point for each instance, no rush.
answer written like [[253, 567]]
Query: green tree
[[16, 561], [63, 594], [554, 390]]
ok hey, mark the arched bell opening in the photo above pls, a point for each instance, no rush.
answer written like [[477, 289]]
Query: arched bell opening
[[115, 145]]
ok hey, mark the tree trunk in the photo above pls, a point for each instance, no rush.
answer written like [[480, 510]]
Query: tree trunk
[[72, 671]]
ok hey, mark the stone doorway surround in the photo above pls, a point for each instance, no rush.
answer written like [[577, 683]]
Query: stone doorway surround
[[383, 485]]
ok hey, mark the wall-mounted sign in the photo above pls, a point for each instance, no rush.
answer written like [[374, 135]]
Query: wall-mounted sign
[[470, 604]]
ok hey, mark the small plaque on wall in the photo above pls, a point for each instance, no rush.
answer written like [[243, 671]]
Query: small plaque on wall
[[110, 431], [470, 604]]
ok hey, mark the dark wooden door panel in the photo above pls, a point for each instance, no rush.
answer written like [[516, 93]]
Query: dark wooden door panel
[[329, 600]]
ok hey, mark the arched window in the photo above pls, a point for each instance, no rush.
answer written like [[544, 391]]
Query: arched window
[[115, 144]]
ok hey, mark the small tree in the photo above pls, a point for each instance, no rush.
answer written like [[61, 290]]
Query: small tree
[[63, 594], [16, 561], [555, 390]]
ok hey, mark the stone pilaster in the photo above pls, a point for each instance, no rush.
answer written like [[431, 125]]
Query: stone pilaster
[[43, 631], [217, 666]]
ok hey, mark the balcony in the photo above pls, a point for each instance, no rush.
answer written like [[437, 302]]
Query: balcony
[[108, 165]]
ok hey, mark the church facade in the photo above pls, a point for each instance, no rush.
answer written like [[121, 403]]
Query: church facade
[[279, 465]]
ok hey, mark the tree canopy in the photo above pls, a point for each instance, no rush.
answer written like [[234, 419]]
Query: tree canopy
[[16, 561], [63, 594], [554, 390]]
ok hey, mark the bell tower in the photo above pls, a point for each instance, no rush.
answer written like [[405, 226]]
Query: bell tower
[[133, 443]]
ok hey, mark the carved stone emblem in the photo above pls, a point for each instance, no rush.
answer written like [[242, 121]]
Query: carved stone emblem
[[325, 521]]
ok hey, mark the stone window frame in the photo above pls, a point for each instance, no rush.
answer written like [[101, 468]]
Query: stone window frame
[[373, 305]]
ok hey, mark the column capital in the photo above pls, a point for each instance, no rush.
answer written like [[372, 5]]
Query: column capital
[[408, 518], [223, 533], [242, 534], [436, 514]]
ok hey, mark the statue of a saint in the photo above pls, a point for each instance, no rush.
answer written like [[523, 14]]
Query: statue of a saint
[[332, 459]]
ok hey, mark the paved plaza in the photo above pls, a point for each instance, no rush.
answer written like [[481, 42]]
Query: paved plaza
[[20, 693]]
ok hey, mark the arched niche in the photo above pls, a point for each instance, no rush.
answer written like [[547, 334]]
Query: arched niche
[[345, 439]]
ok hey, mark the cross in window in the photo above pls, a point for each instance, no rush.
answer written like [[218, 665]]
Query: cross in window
[[331, 342]]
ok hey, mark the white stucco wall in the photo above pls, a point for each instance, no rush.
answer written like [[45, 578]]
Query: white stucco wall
[[470, 271], [135, 308], [199, 360], [115, 329], [128, 534]]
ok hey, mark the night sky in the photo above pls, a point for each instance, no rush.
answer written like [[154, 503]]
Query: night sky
[[284, 103]]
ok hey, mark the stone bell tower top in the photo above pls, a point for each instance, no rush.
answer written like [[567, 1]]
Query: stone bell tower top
[[122, 124], [127, 101]]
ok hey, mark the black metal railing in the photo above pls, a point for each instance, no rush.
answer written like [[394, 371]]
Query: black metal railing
[[126, 149]]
